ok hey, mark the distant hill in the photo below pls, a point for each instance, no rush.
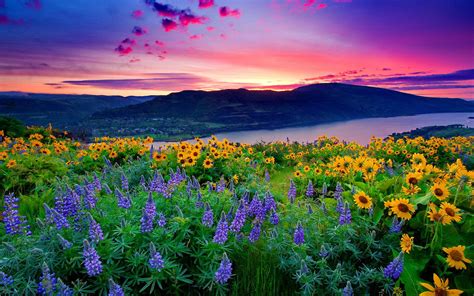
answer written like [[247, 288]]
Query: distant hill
[[198, 112], [60, 110], [447, 131], [190, 113]]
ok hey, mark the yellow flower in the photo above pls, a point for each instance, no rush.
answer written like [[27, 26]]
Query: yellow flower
[[113, 154], [456, 257], [306, 168], [406, 243], [11, 163], [413, 189], [441, 288], [362, 200], [451, 211], [400, 207], [236, 179], [440, 191], [438, 216], [207, 163], [413, 178], [297, 174]]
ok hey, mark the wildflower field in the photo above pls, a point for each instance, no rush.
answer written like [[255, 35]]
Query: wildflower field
[[118, 217]]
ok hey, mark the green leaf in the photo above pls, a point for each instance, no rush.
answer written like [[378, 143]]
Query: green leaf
[[414, 264], [423, 200]]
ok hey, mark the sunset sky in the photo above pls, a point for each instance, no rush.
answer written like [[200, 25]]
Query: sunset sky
[[143, 47]]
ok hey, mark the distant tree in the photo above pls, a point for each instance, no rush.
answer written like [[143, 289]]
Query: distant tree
[[12, 126]]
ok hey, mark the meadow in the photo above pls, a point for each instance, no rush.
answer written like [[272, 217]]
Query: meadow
[[117, 217]]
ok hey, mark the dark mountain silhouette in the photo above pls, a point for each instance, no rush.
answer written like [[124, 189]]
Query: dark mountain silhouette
[[312, 104]]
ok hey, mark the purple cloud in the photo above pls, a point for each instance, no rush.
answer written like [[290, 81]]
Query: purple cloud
[[226, 11]]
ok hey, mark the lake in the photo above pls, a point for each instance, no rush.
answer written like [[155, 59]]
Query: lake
[[359, 130]]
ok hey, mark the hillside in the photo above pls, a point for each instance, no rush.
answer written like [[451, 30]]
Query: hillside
[[198, 112], [60, 110]]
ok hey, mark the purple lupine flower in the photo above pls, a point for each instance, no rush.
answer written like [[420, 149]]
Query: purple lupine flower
[[239, 219], [267, 176], [324, 190], [323, 252], [143, 182], [255, 232], [310, 189], [199, 203], [124, 182], [97, 183], [274, 219], [395, 268], [115, 289], [292, 192], [208, 217], [298, 236], [396, 225], [310, 209], [107, 189], [5, 279], [156, 260], [63, 289], [323, 207], [65, 244], [222, 230], [338, 191], [340, 206], [345, 217], [256, 208], [47, 284], [60, 221], [224, 272], [161, 220], [221, 185], [122, 201], [353, 190], [92, 261], [71, 204], [347, 291], [149, 214], [14, 223], [269, 202], [90, 199], [304, 267], [95, 231]]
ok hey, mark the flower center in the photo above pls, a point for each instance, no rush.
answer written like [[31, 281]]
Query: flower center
[[456, 255], [437, 217], [440, 292], [402, 208], [450, 212], [413, 181], [362, 199], [438, 192]]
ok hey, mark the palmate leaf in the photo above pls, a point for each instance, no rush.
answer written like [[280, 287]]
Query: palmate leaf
[[413, 265]]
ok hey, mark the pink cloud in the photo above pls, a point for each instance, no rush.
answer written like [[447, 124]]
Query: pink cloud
[[322, 6], [123, 50], [226, 11], [137, 14], [135, 60], [210, 28], [206, 3], [139, 31], [195, 37], [5, 20], [159, 43], [187, 19], [169, 24]]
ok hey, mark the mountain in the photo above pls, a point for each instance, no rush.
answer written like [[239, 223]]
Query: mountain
[[203, 112], [60, 110]]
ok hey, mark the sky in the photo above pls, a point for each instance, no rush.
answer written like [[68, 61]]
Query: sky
[[151, 47]]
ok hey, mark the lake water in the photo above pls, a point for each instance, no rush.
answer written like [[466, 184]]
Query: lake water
[[359, 130]]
